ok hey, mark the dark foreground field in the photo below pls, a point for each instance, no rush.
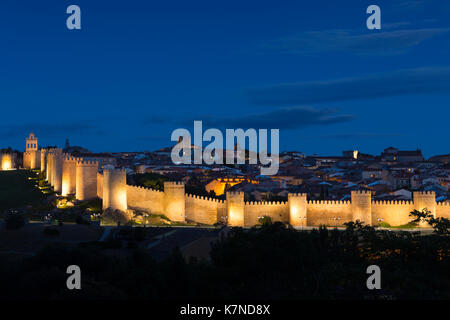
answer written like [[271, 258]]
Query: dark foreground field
[[268, 263], [17, 190]]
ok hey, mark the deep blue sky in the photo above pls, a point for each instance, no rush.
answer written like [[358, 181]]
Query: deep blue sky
[[139, 69]]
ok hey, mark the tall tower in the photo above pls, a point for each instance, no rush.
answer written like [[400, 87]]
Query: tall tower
[[235, 208], [44, 160], [57, 170], [49, 172], [86, 179], [297, 209], [425, 200], [115, 189], [30, 156], [32, 143], [362, 206], [174, 201], [69, 173]]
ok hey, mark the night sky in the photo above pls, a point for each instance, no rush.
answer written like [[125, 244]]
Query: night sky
[[137, 70]]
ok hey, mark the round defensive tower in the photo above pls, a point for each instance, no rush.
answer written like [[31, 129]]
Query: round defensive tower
[[44, 160], [174, 201], [69, 174], [49, 173], [86, 179], [115, 189], [57, 170]]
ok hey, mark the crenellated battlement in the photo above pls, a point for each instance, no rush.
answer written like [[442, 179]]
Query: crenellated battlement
[[361, 192], [293, 195], [203, 198], [425, 193], [144, 188], [235, 193], [443, 204], [265, 203], [391, 202], [329, 202], [174, 183], [69, 158], [87, 163]]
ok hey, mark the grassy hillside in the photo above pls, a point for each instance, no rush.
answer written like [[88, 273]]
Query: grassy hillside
[[18, 189]]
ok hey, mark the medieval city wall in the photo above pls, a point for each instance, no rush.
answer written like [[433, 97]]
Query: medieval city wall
[[204, 210], [145, 199], [328, 212], [69, 175], [253, 211], [443, 210], [396, 213]]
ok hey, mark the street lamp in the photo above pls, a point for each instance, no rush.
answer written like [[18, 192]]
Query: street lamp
[[301, 222], [380, 220], [336, 219]]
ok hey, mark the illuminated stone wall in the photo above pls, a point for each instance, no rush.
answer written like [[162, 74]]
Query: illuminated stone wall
[[395, 213], [99, 185], [69, 174], [424, 200], [443, 210], [44, 160], [57, 170], [205, 210], [82, 177], [145, 199], [253, 211], [8, 161], [362, 206], [235, 208], [115, 189], [297, 209], [174, 201], [328, 212], [86, 179]]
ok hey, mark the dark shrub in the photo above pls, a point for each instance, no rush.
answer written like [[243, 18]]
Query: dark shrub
[[51, 231], [14, 220], [132, 245], [80, 220], [140, 233], [113, 244]]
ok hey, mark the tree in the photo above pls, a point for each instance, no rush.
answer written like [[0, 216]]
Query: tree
[[420, 216], [440, 225], [14, 220]]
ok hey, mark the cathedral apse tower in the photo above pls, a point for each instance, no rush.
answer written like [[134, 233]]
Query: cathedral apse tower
[[31, 156]]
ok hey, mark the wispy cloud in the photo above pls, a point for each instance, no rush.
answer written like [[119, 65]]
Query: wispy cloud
[[360, 135], [47, 130], [403, 82], [355, 42], [286, 118]]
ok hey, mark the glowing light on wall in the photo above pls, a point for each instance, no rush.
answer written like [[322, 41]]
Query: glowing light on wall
[[122, 199], [6, 164], [65, 188]]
